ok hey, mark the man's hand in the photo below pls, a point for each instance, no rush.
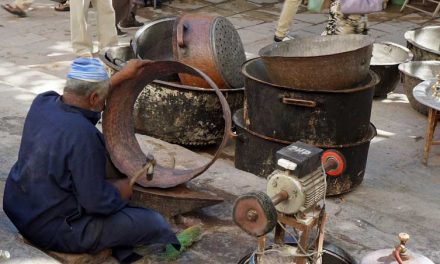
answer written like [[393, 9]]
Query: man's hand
[[124, 188], [129, 71]]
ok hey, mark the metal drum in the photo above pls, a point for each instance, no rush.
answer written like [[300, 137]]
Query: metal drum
[[424, 43], [414, 73], [385, 62], [211, 44], [173, 112], [255, 153], [327, 117], [319, 62]]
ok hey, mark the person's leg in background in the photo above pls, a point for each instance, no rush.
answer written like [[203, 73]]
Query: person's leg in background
[[82, 44], [130, 21], [122, 10], [289, 10], [107, 35], [18, 8]]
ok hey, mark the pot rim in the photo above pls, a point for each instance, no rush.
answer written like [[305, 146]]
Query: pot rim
[[403, 66], [368, 40], [409, 57], [238, 120], [374, 81], [408, 36]]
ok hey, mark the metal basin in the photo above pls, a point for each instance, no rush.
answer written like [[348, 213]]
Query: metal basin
[[414, 73], [328, 117], [173, 112], [424, 43], [255, 153], [320, 62], [332, 254], [385, 62], [161, 31]]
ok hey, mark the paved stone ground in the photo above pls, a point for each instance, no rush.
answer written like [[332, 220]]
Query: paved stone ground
[[398, 193]]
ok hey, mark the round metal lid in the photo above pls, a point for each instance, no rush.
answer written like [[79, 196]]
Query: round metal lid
[[424, 94], [228, 51], [426, 38]]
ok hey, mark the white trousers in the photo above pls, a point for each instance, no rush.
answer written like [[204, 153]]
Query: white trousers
[[81, 39], [289, 10]]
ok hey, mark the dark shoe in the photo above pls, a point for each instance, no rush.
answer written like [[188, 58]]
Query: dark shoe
[[15, 10], [120, 32], [130, 22], [277, 39]]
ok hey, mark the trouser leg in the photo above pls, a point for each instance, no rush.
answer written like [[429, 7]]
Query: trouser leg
[[107, 35], [82, 44], [289, 10], [23, 4]]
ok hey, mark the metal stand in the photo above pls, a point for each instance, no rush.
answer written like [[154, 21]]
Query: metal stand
[[433, 117], [434, 14], [304, 226]]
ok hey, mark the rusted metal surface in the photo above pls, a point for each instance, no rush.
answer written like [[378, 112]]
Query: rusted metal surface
[[256, 154], [424, 43], [211, 44], [385, 62], [329, 117], [412, 74], [319, 62], [173, 201], [118, 126], [173, 112]]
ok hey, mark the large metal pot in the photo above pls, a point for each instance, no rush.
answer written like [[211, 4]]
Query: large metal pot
[[385, 62], [415, 72], [424, 43], [255, 153], [211, 44], [173, 112], [332, 254], [319, 62], [329, 117]]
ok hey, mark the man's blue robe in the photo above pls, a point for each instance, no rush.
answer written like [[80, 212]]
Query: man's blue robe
[[57, 195]]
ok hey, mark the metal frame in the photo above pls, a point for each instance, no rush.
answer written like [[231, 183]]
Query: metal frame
[[434, 14]]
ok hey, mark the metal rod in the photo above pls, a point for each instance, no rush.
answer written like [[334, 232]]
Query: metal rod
[[330, 164], [280, 197]]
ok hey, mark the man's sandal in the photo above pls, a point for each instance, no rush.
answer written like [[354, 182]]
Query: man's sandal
[[15, 10], [62, 7]]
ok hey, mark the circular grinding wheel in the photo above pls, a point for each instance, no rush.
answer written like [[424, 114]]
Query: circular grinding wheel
[[255, 213]]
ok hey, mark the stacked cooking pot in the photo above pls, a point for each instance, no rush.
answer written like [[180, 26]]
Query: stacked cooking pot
[[184, 109], [318, 90]]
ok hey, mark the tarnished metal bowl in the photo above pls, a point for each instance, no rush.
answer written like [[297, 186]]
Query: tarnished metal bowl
[[385, 62], [173, 112], [424, 43], [414, 73], [319, 62]]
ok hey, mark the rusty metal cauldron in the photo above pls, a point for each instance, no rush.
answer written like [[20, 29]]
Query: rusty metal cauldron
[[412, 74], [255, 153], [424, 43], [211, 44], [173, 112], [319, 62], [385, 62], [317, 117], [118, 127]]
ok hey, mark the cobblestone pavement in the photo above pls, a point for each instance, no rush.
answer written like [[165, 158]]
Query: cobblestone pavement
[[398, 193]]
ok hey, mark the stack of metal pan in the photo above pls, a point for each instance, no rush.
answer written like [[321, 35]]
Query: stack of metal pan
[[181, 108], [314, 90]]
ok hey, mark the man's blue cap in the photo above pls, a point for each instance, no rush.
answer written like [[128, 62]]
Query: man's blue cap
[[87, 69]]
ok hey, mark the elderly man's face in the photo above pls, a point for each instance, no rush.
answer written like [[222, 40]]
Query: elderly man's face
[[97, 101]]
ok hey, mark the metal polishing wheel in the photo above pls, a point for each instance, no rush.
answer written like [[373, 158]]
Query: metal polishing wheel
[[336, 162], [255, 213]]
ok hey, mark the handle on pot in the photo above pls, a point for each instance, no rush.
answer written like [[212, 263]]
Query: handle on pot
[[298, 102], [181, 27]]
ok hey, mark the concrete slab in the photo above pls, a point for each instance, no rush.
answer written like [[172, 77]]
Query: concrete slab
[[312, 18], [238, 6], [242, 21]]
